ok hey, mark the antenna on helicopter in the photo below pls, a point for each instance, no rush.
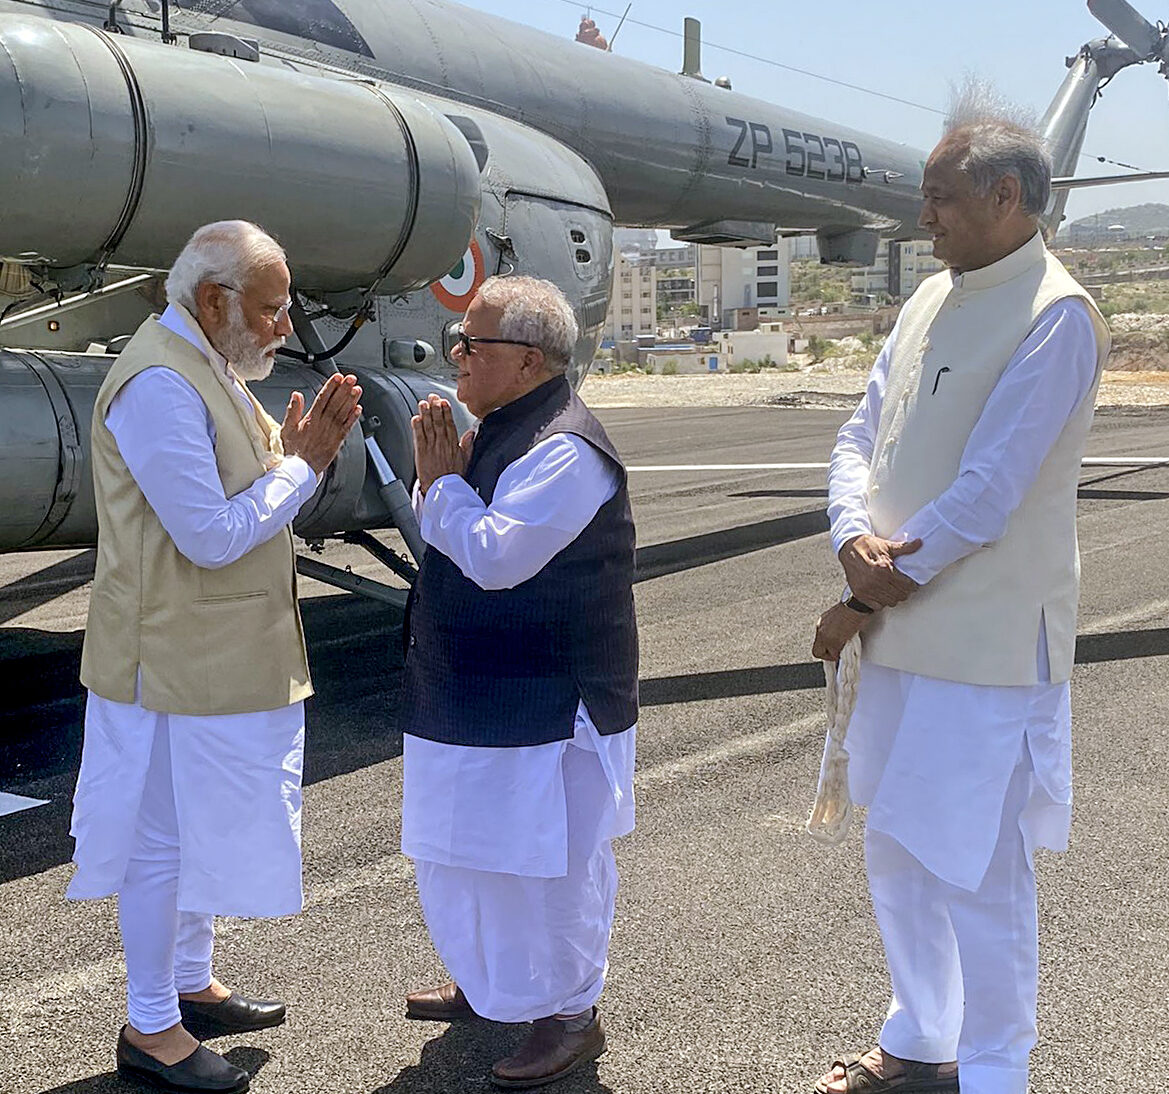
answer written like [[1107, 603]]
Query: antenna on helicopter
[[620, 24], [692, 49]]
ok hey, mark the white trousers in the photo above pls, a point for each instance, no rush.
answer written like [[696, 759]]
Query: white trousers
[[964, 965], [167, 951], [520, 947]]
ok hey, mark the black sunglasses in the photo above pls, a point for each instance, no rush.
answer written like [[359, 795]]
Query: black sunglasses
[[467, 341]]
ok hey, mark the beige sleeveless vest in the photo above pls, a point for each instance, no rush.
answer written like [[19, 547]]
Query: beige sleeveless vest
[[978, 621], [225, 641]]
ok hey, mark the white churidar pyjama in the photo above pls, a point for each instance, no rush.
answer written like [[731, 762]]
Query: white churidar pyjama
[[185, 818], [526, 947], [167, 951], [964, 965]]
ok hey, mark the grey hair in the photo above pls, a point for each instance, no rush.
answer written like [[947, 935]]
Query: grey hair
[[534, 311], [1000, 139], [228, 252]]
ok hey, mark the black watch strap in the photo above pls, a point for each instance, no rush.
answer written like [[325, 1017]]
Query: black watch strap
[[858, 606]]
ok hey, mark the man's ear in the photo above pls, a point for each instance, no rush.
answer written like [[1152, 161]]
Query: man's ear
[[534, 360], [210, 303], [1008, 195]]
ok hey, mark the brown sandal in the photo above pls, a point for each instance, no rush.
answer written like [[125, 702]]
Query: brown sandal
[[916, 1078]]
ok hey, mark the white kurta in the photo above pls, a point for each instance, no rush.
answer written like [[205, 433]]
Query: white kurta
[[933, 758], [512, 845], [236, 777]]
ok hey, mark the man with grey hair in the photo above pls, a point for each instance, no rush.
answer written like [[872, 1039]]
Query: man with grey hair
[[952, 495], [188, 800], [520, 701]]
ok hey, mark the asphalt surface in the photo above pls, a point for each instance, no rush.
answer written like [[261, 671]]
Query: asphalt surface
[[744, 955]]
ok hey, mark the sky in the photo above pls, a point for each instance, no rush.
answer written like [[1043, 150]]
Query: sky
[[910, 49]]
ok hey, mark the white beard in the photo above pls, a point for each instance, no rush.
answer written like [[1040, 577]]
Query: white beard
[[249, 359]]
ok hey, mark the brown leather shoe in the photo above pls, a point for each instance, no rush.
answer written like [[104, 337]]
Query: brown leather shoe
[[446, 1003], [549, 1054]]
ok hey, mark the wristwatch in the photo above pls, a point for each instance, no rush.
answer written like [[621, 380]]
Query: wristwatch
[[858, 606]]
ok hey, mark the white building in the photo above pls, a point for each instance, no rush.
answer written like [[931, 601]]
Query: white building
[[633, 305], [737, 346], [901, 266], [730, 278]]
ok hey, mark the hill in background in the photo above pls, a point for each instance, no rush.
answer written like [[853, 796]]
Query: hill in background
[[1138, 219]]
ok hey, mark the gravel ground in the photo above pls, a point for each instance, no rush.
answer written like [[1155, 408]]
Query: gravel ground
[[810, 387]]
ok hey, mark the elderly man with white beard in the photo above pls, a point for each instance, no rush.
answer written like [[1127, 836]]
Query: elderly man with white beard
[[188, 800]]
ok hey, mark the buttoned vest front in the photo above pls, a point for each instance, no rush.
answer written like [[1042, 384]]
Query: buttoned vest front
[[509, 667], [222, 641], [978, 621]]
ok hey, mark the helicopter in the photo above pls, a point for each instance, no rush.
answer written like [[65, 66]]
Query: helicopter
[[401, 151]]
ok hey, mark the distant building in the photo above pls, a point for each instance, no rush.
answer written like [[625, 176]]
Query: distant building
[[676, 276], [676, 255], [731, 279], [901, 266], [633, 305], [716, 279], [737, 346]]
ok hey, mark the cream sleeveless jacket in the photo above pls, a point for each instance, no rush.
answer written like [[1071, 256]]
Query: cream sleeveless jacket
[[979, 620], [225, 641]]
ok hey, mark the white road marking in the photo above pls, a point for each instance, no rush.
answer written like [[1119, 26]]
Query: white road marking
[[735, 749], [730, 467], [14, 803], [1088, 461], [1125, 461], [1154, 609]]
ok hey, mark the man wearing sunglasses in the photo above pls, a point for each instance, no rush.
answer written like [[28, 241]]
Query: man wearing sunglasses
[[520, 699], [188, 801]]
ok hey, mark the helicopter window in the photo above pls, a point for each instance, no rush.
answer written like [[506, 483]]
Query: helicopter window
[[577, 235], [582, 255], [319, 20]]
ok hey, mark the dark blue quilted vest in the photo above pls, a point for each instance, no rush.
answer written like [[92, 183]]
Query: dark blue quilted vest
[[508, 667]]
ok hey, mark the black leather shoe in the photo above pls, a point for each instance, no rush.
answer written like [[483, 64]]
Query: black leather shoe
[[202, 1072], [236, 1014]]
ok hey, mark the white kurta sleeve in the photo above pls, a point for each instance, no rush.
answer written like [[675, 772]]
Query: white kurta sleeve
[[166, 436], [542, 502], [848, 469], [1044, 382]]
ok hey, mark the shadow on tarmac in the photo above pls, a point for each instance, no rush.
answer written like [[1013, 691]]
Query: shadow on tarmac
[[46, 584], [678, 555], [728, 683], [250, 1059], [1122, 645], [1122, 495], [813, 492], [461, 1057]]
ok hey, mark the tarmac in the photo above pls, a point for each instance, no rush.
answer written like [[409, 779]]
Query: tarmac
[[744, 955]]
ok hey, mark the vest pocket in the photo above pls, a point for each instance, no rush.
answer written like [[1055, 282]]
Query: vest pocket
[[231, 598]]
